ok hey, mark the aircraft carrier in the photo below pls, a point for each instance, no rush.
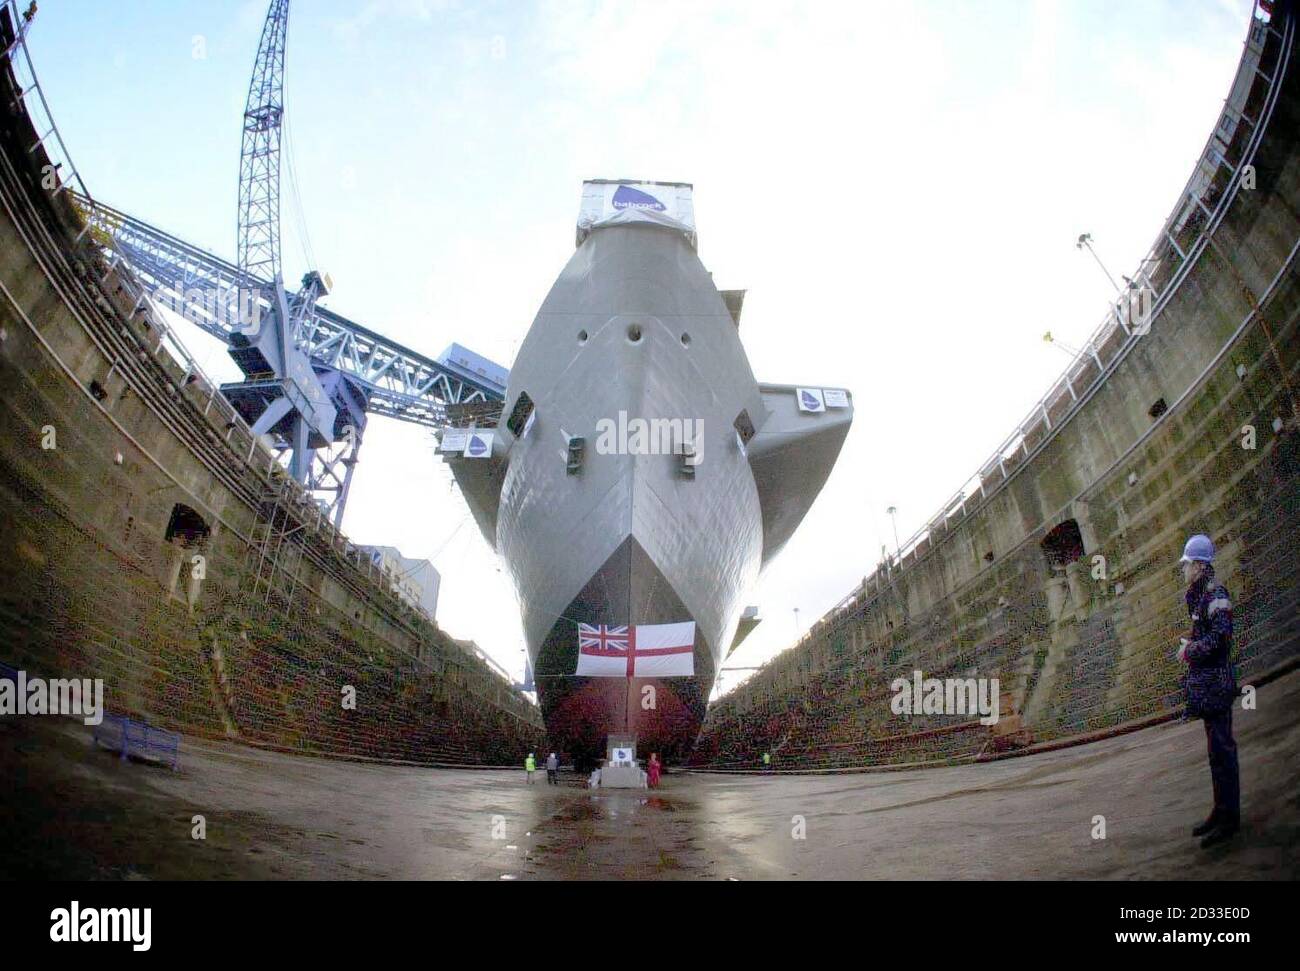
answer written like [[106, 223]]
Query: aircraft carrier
[[639, 476], [611, 531]]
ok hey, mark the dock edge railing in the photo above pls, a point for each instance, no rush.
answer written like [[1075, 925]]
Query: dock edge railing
[[1064, 398]]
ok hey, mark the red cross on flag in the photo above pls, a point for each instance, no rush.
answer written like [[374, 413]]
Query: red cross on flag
[[642, 651]]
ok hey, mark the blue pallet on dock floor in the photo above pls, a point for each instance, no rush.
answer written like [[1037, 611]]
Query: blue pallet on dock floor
[[130, 737]]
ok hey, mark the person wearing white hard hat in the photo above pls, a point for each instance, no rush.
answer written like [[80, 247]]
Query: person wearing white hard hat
[[1210, 684]]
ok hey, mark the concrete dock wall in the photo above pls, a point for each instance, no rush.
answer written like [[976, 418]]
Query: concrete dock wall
[[120, 465], [1059, 574]]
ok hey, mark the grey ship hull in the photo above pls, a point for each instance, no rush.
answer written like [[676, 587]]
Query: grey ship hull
[[634, 325]]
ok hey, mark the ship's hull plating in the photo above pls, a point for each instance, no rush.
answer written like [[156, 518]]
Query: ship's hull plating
[[664, 714], [634, 330]]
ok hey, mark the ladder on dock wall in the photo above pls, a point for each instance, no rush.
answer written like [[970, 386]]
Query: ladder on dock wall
[[273, 558]]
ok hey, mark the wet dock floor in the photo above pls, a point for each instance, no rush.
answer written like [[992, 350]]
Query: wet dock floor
[[69, 810]]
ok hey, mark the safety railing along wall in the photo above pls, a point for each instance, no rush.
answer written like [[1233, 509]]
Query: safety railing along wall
[[811, 690], [64, 183], [1215, 177]]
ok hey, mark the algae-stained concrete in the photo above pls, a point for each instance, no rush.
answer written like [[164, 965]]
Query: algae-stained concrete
[[146, 541], [1057, 571], [82, 813]]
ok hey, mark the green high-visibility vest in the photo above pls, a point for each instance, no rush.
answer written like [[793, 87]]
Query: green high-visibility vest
[[767, 758], [530, 764]]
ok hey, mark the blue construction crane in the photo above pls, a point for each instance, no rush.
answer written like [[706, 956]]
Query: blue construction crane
[[214, 294], [311, 376]]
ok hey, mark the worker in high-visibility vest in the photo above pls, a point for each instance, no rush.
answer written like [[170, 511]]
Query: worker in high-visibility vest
[[767, 761], [530, 766]]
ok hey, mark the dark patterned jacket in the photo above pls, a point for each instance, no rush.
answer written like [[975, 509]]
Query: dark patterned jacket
[[1210, 684]]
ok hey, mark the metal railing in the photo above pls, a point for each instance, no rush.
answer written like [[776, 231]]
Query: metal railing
[[62, 177], [66, 179], [1118, 332]]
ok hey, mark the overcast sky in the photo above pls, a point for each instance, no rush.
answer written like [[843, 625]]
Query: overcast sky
[[898, 186]]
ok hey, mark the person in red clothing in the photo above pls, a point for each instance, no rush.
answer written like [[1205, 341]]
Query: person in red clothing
[[652, 770]]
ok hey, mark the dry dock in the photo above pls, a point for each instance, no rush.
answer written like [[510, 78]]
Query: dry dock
[[277, 816]]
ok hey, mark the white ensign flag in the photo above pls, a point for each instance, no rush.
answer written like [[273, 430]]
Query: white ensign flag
[[642, 651]]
